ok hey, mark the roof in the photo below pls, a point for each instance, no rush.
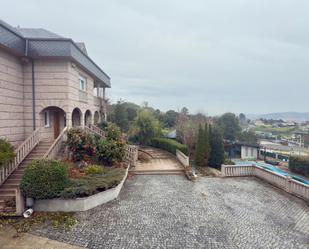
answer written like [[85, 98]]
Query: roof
[[41, 43], [38, 33], [82, 46]]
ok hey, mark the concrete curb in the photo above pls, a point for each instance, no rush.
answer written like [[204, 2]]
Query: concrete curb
[[80, 204]]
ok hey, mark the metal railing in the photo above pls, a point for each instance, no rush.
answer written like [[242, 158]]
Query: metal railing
[[56, 145], [21, 152]]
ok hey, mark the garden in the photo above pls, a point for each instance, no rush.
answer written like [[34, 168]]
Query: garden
[[93, 165]]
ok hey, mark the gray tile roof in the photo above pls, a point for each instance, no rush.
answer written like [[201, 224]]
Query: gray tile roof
[[82, 46], [38, 33], [40, 43]]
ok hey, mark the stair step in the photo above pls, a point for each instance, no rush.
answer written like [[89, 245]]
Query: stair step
[[7, 192], [20, 171], [16, 175], [7, 196], [157, 172], [9, 186], [13, 181]]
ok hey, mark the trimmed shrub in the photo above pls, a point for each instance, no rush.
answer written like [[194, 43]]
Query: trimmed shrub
[[299, 165], [81, 144], [44, 179], [7, 153], [110, 151], [93, 184], [169, 144]]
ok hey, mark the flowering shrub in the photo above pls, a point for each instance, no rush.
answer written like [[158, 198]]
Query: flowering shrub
[[113, 132], [81, 144]]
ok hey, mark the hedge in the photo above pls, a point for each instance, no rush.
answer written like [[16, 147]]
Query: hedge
[[169, 144], [44, 179], [299, 164]]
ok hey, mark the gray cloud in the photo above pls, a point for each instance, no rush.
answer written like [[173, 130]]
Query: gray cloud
[[247, 56]]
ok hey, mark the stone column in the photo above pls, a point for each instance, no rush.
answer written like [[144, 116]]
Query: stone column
[[68, 116]]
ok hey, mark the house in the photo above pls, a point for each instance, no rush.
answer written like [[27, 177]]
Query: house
[[46, 81], [240, 150]]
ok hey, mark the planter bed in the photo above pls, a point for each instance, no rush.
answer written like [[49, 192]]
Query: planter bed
[[79, 204]]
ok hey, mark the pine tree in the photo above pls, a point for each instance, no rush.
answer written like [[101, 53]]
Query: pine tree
[[217, 148], [199, 148], [206, 144]]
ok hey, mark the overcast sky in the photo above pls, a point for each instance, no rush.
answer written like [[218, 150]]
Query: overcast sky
[[248, 56]]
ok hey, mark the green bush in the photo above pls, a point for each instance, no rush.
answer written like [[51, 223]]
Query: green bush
[[299, 165], [94, 170], [169, 144], [7, 153], [81, 144], [110, 151], [92, 184], [44, 179]]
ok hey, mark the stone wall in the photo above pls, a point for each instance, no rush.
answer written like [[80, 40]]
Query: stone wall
[[11, 99]]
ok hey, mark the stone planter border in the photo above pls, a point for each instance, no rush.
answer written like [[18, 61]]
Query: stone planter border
[[79, 204]]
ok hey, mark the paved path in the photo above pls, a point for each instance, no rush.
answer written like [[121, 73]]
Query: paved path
[[9, 240], [161, 160], [171, 212]]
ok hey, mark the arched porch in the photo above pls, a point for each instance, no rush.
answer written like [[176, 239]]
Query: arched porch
[[76, 117], [52, 121], [88, 118]]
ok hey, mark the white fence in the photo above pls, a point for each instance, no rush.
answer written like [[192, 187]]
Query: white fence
[[182, 158], [284, 182]]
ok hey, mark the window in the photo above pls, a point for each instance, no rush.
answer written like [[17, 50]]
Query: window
[[82, 83], [46, 119]]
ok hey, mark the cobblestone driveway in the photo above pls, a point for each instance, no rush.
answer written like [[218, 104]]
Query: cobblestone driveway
[[171, 212]]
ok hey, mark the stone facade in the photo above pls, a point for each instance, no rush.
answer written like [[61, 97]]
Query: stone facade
[[57, 91], [12, 123]]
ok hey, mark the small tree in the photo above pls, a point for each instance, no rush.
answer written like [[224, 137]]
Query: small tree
[[146, 126], [121, 116], [206, 144], [217, 148], [200, 148]]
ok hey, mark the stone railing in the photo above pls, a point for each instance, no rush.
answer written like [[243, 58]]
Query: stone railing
[[56, 146], [96, 130], [284, 182], [131, 154], [183, 158], [237, 170], [21, 152]]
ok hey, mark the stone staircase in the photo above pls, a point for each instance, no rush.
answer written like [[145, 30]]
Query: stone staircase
[[9, 187]]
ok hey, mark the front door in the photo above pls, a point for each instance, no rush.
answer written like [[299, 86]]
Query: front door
[[56, 124]]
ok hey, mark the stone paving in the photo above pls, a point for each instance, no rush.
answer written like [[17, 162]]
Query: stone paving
[[171, 212]]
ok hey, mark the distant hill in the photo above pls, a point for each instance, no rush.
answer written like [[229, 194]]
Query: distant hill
[[286, 116]]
